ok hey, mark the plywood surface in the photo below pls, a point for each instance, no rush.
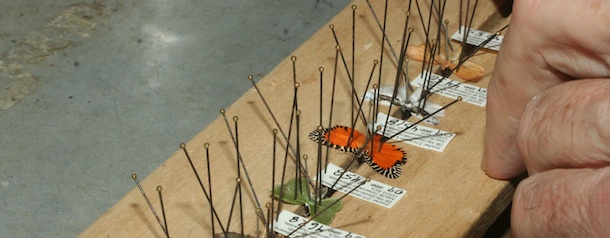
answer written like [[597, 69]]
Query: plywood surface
[[447, 193]]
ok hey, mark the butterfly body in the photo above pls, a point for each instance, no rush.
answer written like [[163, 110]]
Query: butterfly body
[[385, 158]]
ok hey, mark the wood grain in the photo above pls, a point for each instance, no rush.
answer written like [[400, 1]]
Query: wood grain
[[447, 193]]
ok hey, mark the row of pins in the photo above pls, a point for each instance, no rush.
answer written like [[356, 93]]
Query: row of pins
[[437, 42]]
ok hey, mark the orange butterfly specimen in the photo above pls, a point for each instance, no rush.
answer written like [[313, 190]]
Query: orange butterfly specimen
[[468, 71], [388, 161]]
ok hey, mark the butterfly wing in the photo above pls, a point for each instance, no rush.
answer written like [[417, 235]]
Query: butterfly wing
[[388, 160], [338, 137], [418, 53], [469, 71]]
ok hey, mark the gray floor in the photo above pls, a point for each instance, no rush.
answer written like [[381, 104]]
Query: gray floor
[[91, 92]]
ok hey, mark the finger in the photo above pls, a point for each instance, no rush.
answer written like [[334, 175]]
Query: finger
[[566, 126], [517, 77], [570, 42], [541, 49], [563, 203]]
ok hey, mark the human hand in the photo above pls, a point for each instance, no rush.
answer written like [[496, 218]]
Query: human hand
[[548, 114]]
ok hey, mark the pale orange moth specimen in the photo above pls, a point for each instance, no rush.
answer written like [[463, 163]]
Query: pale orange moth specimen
[[468, 71]]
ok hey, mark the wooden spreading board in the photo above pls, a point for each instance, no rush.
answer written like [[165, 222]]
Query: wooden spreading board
[[447, 193]]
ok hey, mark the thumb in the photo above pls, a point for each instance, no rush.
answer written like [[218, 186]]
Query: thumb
[[563, 203]]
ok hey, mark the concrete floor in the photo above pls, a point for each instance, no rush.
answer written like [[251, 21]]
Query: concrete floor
[[94, 91]]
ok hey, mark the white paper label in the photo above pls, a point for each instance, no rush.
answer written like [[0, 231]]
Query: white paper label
[[418, 135], [288, 222], [452, 89], [373, 191], [476, 37]]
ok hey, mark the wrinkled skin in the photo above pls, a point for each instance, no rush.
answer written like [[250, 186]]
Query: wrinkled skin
[[548, 114]]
